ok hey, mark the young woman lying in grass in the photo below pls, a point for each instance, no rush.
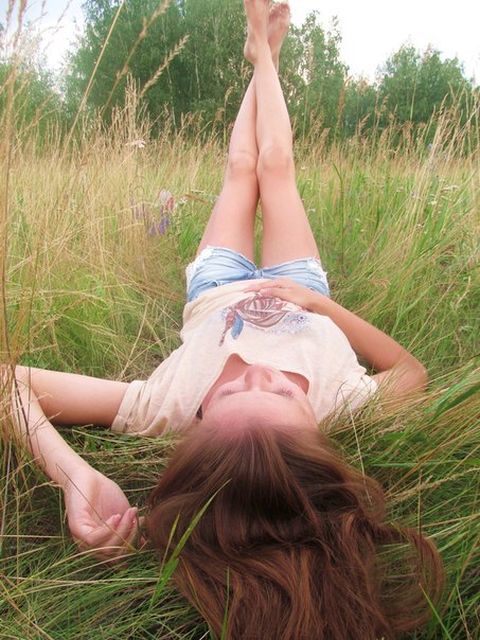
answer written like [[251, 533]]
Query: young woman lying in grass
[[297, 534]]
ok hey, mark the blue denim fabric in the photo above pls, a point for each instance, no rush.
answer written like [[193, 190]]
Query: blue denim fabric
[[217, 266]]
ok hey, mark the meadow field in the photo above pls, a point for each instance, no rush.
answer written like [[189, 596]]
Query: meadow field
[[92, 281]]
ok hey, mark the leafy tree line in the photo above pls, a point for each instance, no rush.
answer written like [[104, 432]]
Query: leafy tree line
[[36, 103], [186, 57], [27, 87]]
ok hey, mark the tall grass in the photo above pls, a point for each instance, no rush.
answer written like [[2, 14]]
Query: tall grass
[[89, 285]]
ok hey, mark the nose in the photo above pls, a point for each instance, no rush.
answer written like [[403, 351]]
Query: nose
[[258, 377]]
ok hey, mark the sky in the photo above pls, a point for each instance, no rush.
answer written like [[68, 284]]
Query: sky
[[371, 30]]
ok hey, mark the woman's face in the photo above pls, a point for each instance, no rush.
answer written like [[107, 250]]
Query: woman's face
[[259, 396]]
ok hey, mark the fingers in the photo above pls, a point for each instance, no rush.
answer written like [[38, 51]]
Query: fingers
[[115, 537], [141, 540], [280, 283], [96, 536], [124, 528], [285, 289], [124, 534], [271, 291]]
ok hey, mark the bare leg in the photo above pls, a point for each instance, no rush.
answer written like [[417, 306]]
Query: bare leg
[[232, 220], [233, 217], [286, 230]]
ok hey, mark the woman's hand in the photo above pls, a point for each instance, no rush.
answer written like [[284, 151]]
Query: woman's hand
[[288, 290], [99, 514]]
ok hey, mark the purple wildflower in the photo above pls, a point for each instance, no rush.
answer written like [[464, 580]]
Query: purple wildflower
[[157, 216], [160, 228]]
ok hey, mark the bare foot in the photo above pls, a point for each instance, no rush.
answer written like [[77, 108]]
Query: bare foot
[[278, 26], [258, 13]]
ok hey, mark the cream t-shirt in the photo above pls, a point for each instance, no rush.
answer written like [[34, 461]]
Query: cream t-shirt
[[264, 330]]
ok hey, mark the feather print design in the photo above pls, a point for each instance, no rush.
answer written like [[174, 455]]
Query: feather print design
[[259, 311]]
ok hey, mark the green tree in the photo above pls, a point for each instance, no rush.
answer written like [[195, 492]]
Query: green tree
[[361, 99], [136, 45], [200, 79], [209, 76], [36, 105], [324, 74], [214, 71], [26, 84], [414, 85]]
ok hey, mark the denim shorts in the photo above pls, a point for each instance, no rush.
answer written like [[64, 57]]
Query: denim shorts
[[216, 266]]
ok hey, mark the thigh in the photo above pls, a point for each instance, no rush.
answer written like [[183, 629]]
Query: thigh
[[232, 221], [287, 234]]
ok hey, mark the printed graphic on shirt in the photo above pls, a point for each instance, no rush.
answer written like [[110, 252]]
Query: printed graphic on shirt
[[264, 313]]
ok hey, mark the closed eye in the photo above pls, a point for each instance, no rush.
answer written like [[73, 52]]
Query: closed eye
[[285, 392], [288, 393]]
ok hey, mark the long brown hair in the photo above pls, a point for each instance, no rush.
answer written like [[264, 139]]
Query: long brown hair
[[295, 543]]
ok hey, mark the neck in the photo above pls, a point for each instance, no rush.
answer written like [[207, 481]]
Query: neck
[[235, 367]]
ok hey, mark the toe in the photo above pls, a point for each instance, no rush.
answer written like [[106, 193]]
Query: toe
[[275, 10]]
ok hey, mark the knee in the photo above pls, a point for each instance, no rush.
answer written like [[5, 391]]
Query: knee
[[275, 160], [242, 163]]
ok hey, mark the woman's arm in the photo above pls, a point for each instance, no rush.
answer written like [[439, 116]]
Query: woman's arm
[[397, 369], [71, 399], [395, 364], [99, 514], [42, 398]]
